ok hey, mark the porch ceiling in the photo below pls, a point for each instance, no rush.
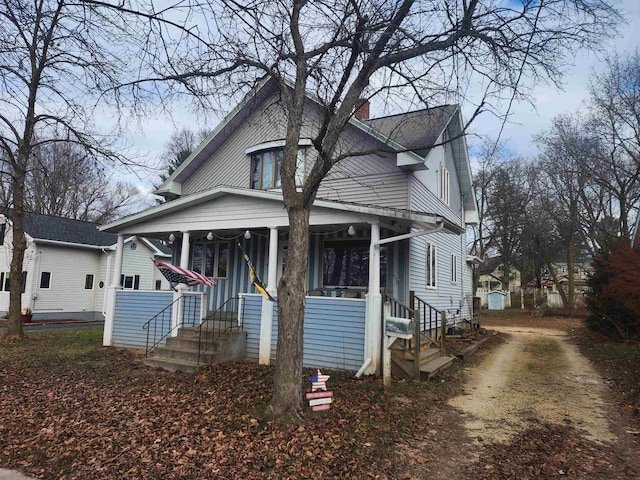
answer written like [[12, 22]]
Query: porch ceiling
[[229, 208]]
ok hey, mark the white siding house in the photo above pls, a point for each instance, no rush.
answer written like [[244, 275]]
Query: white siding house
[[67, 263], [409, 203]]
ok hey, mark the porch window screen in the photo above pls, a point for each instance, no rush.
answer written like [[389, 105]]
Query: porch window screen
[[346, 264], [211, 259]]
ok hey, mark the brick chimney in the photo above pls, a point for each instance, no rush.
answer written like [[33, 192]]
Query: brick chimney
[[361, 109]]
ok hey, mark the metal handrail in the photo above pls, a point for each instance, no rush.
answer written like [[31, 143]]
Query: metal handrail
[[218, 323], [189, 310]]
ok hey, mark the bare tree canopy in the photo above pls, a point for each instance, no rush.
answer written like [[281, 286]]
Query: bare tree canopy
[[56, 59], [407, 53]]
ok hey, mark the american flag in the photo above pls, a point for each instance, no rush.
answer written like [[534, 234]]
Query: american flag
[[177, 275]]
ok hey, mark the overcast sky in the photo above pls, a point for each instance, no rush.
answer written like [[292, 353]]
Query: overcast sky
[[525, 120]]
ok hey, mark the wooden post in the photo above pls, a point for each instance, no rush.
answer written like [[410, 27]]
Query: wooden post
[[416, 345], [443, 333]]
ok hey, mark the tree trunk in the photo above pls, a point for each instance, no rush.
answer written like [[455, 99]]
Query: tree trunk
[[287, 395], [570, 275], [14, 327]]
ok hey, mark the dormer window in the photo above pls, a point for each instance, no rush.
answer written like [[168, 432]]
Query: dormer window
[[267, 162], [265, 169]]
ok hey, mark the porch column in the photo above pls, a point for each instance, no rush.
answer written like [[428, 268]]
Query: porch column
[[111, 293], [266, 323], [373, 325], [184, 253], [176, 314]]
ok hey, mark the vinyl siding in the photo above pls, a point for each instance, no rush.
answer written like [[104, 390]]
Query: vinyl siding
[[68, 267], [230, 165], [333, 332], [447, 295], [132, 310], [138, 262], [29, 264], [373, 178], [238, 212]]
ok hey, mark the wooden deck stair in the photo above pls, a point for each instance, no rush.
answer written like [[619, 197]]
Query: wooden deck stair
[[431, 360], [180, 353]]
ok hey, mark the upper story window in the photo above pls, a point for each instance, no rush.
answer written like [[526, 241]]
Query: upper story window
[[266, 165], [430, 264], [445, 186]]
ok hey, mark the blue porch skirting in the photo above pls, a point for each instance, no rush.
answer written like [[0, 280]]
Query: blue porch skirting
[[333, 331]]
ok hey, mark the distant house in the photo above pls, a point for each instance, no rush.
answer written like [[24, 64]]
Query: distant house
[[581, 272], [67, 263], [491, 275], [386, 224]]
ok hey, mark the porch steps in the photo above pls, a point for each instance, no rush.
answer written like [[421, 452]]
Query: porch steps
[[431, 360], [180, 353]]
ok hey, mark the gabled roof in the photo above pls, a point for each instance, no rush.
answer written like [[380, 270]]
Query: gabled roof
[[416, 131], [49, 228], [59, 229]]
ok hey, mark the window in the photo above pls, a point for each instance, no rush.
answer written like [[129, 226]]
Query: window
[[158, 284], [88, 281], [265, 169], [445, 185], [454, 269], [346, 264], [430, 265], [24, 281], [211, 259], [3, 230], [45, 280], [130, 282]]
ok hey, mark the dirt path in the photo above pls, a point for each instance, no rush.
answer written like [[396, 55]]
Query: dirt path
[[536, 375], [534, 408]]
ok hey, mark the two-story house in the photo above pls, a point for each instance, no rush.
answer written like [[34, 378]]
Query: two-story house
[[384, 224]]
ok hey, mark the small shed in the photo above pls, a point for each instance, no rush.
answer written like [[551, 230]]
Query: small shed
[[496, 300]]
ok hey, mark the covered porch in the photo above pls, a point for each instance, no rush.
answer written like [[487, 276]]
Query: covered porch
[[356, 252]]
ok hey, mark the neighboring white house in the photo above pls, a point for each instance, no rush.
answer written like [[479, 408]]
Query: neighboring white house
[[67, 263], [388, 222]]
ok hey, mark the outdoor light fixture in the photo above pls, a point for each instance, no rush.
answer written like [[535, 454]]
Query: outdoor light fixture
[[209, 236], [247, 235], [172, 238], [351, 231]]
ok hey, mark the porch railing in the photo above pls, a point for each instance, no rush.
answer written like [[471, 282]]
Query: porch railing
[[226, 318], [159, 327], [429, 323]]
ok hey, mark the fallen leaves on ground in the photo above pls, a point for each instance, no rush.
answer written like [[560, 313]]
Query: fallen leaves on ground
[[74, 410]]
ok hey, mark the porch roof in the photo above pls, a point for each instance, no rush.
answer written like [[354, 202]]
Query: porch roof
[[244, 203]]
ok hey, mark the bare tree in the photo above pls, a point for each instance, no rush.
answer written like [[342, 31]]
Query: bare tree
[[615, 119], [53, 56], [508, 199], [339, 51], [64, 182], [181, 144], [574, 195]]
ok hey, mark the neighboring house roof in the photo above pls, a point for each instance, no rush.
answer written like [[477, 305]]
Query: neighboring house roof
[[49, 228], [417, 130], [489, 264], [59, 229]]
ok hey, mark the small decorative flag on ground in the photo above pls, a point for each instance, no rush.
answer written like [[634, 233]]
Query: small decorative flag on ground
[[319, 398]]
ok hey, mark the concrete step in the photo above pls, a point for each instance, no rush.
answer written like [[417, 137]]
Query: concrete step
[[437, 365], [171, 364], [184, 354]]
